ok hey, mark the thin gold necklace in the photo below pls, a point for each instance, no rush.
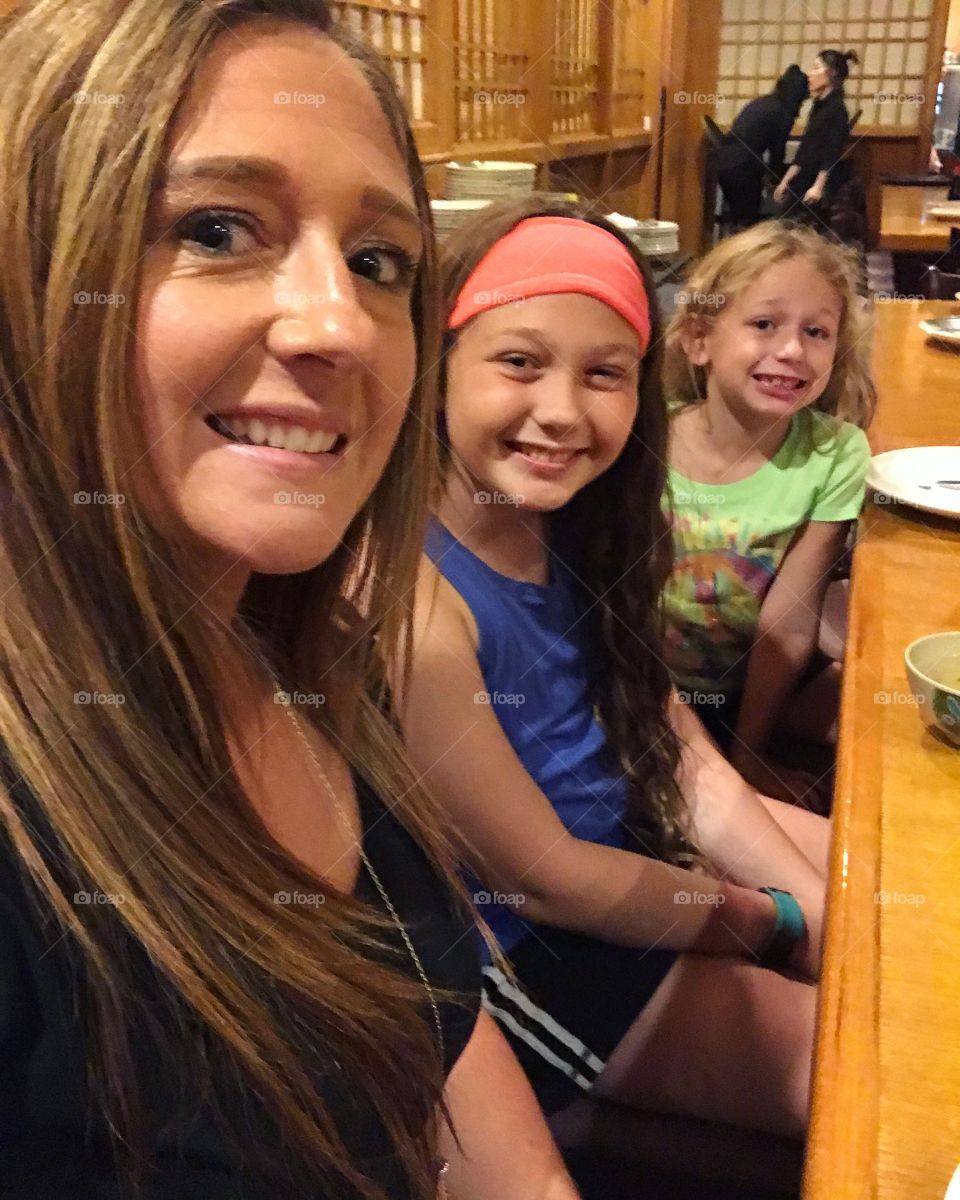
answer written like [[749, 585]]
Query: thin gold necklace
[[443, 1167]]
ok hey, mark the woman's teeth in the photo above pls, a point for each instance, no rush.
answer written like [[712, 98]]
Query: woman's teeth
[[254, 432]]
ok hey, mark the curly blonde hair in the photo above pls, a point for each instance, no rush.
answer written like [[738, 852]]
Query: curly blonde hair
[[721, 275]]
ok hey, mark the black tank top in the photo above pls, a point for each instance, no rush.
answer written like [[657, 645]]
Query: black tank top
[[51, 1148]]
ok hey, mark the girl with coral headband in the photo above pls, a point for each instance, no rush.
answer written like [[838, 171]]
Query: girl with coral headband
[[540, 711]]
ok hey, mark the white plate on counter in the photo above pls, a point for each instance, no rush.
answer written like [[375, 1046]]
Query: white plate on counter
[[925, 477], [944, 329]]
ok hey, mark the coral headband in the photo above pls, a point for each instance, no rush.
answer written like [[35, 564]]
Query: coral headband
[[546, 255]]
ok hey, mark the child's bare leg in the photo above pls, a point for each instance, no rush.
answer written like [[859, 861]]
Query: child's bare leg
[[722, 1040], [682, 1145], [833, 619], [807, 830]]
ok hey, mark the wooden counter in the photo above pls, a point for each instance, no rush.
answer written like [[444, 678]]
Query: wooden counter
[[903, 221], [886, 1104]]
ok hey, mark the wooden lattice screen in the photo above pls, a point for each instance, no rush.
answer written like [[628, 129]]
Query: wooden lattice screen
[[760, 38], [575, 61], [490, 66], [514, 74], [396, 29], [631, 36]]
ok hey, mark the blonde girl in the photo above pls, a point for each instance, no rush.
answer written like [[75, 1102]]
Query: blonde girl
[[767, 374]]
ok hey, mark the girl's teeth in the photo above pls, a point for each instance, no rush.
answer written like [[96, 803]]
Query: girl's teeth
[[545, 455], [782, 380], [281, 437]]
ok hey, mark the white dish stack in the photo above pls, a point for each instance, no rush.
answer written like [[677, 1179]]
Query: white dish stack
[[656, 239], [449, 215], [880, 278], [488, 180]]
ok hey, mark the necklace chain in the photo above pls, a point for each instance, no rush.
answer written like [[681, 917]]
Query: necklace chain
[[384, 895]]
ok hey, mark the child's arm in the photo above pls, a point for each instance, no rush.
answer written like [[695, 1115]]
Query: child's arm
[[731, 824], [518, 844], [787, 634]]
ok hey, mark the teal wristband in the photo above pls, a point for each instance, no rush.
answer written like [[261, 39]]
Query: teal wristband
[[788, 930]]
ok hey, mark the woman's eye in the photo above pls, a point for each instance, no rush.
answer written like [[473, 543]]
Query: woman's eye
[[610, 373], [762, 323], [387, 266], [816, 332], [213, 233]]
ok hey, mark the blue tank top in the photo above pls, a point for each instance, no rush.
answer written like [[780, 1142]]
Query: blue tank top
[[533, 654]]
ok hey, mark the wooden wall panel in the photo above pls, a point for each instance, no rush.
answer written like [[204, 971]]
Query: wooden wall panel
[[953, 27]]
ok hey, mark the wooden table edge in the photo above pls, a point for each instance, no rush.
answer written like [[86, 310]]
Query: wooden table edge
[[841, 1160]]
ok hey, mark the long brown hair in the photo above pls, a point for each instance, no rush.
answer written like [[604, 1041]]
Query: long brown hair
[[615, 538], [138, 799]]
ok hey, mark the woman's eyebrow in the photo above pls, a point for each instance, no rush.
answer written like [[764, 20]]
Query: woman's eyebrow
[[380, 204], [224, 168]]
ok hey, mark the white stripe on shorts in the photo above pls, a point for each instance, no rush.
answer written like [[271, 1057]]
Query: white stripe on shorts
[[581, 1053]]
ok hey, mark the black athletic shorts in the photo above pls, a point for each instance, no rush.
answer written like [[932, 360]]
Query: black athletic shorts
[[574, 999]]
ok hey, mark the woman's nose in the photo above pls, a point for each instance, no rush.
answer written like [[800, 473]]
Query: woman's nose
[[318, 311]]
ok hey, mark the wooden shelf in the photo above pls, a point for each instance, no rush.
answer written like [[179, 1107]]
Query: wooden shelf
[[563, 146]]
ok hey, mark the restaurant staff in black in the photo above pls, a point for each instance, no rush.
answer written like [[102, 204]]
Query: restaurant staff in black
[[762, 128], [802, 189]]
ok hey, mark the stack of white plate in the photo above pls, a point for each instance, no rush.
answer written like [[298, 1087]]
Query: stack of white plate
[[449, 215], [488, 180], [653, 238], [880, 278]]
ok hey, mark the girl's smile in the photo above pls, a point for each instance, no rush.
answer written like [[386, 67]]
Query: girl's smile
[[549, 461], [778, 386]]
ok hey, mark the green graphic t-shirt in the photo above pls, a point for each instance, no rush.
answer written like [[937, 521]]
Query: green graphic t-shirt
[[730, 539]]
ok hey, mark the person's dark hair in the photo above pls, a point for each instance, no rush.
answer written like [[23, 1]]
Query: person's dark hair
[[615, 538], [838, 64], [791, 89], [144, 800]]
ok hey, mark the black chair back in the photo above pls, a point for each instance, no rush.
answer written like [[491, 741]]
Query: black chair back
[[939, 285], [713, 132]]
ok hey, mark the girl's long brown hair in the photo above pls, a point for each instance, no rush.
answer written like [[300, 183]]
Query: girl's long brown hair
[[138, 800], [615, 539]]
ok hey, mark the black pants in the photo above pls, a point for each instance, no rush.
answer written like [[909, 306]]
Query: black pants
[[742, 189]]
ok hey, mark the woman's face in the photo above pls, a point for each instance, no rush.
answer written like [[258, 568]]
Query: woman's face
[[276, 350], [818, 76]]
